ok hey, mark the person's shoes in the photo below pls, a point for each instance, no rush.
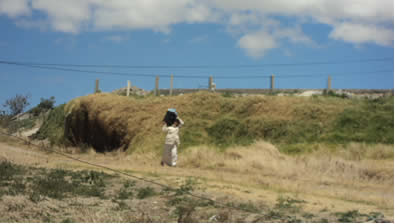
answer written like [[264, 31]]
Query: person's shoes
[[162, 163]]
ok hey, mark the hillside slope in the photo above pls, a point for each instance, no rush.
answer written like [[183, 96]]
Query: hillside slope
[[108, 122]]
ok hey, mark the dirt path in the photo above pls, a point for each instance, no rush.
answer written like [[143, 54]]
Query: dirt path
[[214, 183]]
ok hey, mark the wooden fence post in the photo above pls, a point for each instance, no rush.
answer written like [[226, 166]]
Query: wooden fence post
[[210, 83], [171, 85], [128, 90], [329, 82], [157, 86], [97, 86], [272, 82]]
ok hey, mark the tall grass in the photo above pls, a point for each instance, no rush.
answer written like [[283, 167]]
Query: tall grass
[[356, 172]]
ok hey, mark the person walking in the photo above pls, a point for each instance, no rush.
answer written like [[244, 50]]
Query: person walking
[[172, 141]]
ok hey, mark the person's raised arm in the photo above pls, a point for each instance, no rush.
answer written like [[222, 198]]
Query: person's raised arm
[[181, 122], [164, 128]]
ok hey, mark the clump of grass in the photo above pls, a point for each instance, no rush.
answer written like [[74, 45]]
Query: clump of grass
[[145, 192], [126, 192], [8, 171], [350, 216], [59, 184], [288, 204]]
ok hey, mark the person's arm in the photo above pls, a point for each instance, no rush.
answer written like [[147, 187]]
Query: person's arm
[[181, 122], [164, 128]]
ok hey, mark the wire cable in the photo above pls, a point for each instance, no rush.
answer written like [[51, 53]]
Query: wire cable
[[189, 76], [209, 66]]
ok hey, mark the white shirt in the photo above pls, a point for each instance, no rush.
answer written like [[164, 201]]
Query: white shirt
[[172, 133]]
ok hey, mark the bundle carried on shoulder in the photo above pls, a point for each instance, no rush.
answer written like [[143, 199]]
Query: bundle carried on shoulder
[[170, 116]]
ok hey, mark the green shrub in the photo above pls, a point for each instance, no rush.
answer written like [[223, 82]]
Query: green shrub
[[43, 106], [227, 131], [53, 127], [371, 122]]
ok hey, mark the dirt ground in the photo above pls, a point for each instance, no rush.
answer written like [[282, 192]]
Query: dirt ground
[[264, 203]]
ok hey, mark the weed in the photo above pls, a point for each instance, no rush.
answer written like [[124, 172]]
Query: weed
[[9, 170], [184, 213], [187, 187], [273, 215], [121, 205], [67, 220], [350, 216], [324, 220], [288, 204], [292, 219], [35, 197], [145, 192], [249, 207], [307, 215], [17, 187], [55, 185], [125, 192], [376, 217]]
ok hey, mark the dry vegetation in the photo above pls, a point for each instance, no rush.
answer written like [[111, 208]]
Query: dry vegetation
[[289, 159]]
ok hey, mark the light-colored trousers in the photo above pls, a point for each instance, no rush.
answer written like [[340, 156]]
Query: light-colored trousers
[[170, 154]]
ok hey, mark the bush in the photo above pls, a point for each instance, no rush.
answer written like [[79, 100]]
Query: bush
[[53, 127], [372, 122], [227, 131], [17, 104], [43, 106]]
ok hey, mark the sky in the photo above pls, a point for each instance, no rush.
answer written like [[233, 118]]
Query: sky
[[238, 42]]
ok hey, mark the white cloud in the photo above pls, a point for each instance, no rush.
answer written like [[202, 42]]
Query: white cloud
[[257, 44], [14, 8], [353, 21], [358, 34]]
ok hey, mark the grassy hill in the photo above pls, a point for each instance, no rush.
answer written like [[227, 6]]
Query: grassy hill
[[294, 124]]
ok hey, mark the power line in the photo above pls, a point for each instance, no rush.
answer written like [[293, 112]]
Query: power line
[[206, 66], [278, 75], [130, 175]]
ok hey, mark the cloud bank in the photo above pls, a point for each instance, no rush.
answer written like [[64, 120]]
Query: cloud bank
[[256, 23]]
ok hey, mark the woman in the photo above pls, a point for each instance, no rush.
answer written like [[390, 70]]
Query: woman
[[169, 156]]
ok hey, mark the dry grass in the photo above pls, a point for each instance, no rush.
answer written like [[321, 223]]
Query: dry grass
[[255, 173], [345, 174]]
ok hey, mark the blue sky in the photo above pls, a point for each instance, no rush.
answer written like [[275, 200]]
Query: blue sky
[[226, 34]]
